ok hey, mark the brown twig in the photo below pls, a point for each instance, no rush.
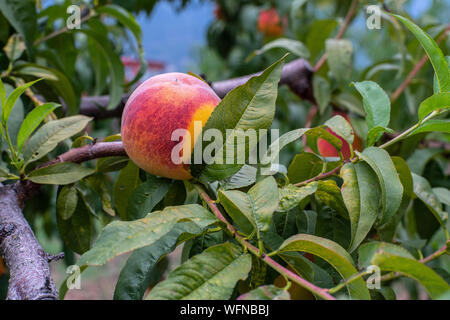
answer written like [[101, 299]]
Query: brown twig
[[321, 292], [319, 177]]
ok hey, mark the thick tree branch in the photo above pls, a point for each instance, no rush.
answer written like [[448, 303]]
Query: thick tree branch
[[296, 74], [27, 262]]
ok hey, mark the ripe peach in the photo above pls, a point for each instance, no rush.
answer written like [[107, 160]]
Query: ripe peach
[[159, 106], [327, 150], [270, 23]]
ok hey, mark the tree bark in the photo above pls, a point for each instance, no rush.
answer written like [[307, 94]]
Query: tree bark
[[27, 262]]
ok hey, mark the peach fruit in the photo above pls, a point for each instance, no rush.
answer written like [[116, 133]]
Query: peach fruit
[[327, 150], [156, 108], [270, 23]]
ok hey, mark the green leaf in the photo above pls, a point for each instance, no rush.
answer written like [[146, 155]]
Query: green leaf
[[376, 103], [122, 236], [126, 183], [322, 92], [12, 99], [391, 187], [2, 93], [392, 258], [146, 196], [329, 194], [435, 54], [266, 292], [339, 57], [21, 14], [109, 164], [237, 206], [76, 231], [221, 267], [50, 134], [280, 143], [67, 201], [436, 102], [116, 72], [361, 194], [303, 167], [294, 46], [32, 121], [249, 106], [60, 173], [244, 177], [432, 126], [291, 196], [423, 191], [256, 206], [375, 134], [134, 277], [56, 78], [334, 254], [341, 127], [128, 20]]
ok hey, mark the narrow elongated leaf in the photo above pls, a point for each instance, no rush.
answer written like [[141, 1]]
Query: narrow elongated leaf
[[435, 54], [133, 279], [12, 99], [361, 194], [391, 187], [122, 236], [334, 254], [376, 103], [432, 126], [211, 275], [249, 106], [267, 292], [50, 134], [32, 121], [60, 173], [128, 20], [393, 258], [126, 183], [116, 87]]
